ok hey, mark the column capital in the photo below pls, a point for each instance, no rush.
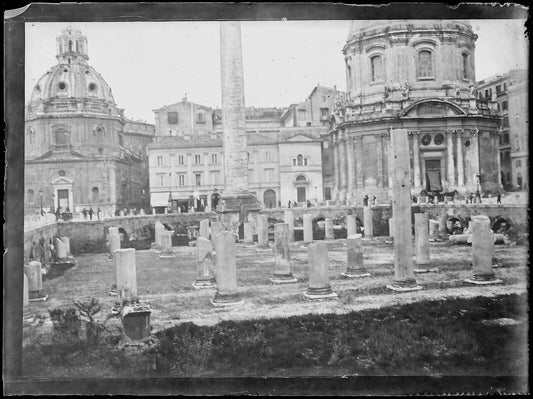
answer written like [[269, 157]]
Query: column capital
[[474, 132], [413, 132]]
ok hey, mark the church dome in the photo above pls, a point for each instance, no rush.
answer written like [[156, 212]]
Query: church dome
[[72, 79]]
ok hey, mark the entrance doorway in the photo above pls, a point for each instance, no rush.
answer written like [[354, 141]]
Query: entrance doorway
[[269, 199], [300, 192], [433, 181], [63, 200]]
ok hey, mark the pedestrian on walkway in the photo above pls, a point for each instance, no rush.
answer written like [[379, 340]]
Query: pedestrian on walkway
[[91, 212]]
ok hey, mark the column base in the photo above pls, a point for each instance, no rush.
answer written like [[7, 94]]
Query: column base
[[355, 274], [283, 279], [227, 300], [166, 255], [404, 285], [36, 296], [320, 293], [204, 283], [483, 282], [423, 270]]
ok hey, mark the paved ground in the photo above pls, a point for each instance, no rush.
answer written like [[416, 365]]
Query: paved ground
[[167, 283]]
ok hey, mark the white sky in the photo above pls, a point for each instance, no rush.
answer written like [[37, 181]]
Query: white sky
[[151, 64]]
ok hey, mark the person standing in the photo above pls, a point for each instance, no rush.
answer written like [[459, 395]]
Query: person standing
[[498, 197], [365, 200], [91, 212], [84, 212], [98, 213]]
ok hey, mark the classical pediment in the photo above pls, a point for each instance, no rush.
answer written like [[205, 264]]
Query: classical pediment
[[432, 108], [62, 180], [299, 138], [58, 155]]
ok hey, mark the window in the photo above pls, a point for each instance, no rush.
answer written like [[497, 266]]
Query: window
[[62, 86], [198, 178], [376, 64], [294, 162], [172, 117], [62, 138], [506, 138], [425, 65], [498, 106], [326, 145], [197, 159], [180, 159], [301, 179], [518, 163], [214, 158], [181, 180], [498, 89], [306, 161], [465, 68], [505, 106], [268, 156], [161, 179], [505, 87], [486, 93], [324, 112], [300, 159], [120, 140], [30, 196], [327, 193], [160, 160], [505, 121], [200, 117], [95, 194], [517, 143]]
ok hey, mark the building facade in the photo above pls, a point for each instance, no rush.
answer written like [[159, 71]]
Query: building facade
[[80, 151], [416, 75], [510, 91], [188, 171]]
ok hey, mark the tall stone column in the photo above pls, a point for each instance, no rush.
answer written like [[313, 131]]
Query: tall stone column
[[282, 269], [114, 244], [350, 195], [126, 274], [358, 143], [496, 148], [204, 228], [318, 272], [422, 239], [482, 251], [391, 228], [166, 244], [379, 160], [248, 233], [262, 231], [288, 217], [460, 163], [342, 165], [416, 160], [226, 271], [351, 225], [450, 166], [216, 227], [336, 166], [404, 279], [368, 225], [355, 266], [236, 201], [308, 227], [204, 264], [475, 157]]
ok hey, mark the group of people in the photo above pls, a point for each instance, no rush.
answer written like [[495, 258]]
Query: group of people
[[90, 212], [366, 200], [294, 204]]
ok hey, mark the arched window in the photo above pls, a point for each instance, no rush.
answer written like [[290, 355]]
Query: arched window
[[465, 65], [376, 64], [425, 64], [95, 194], [30, 198], [300, 160], [99, 135], [301, 179]]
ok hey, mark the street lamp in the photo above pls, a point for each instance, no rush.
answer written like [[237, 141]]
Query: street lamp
[[41, 195]]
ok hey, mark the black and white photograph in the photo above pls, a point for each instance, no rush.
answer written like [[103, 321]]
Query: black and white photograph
[[312, 199]]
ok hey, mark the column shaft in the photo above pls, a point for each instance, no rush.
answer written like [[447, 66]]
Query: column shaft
[[450, 165], [416, 161], [460, 164]]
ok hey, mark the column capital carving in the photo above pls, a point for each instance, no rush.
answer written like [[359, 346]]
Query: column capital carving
[[474, 132], [413, 132]]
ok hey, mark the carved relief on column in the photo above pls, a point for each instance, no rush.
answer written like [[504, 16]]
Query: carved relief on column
[[351, 171], [450, 166], [379, 150], [342, 164], [460, 163], [416, 158]]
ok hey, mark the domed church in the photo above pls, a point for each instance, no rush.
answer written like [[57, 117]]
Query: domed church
[[75, 156], [417, 75]]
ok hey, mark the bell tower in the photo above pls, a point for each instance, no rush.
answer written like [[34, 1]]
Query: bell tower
[[71, 47]]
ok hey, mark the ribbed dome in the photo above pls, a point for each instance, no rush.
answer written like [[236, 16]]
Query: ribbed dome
[[72, 81]]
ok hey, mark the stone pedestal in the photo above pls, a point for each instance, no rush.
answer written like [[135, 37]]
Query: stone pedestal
[[318, 272], [421, 240], [204, 264], [204, 228], [308, 228], [351, 225], [136, 321], [329, 232], [262, 231], [282, 269], [166, 244], [482, 251], [248, 233], [404, 279], [391, 228], [113, 230], [158, 229], [433, 230], [355, 266], [33, 272], [66, 241], [368, 224], [125, 274], [288, 217], [226, 271], [461, 238]]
